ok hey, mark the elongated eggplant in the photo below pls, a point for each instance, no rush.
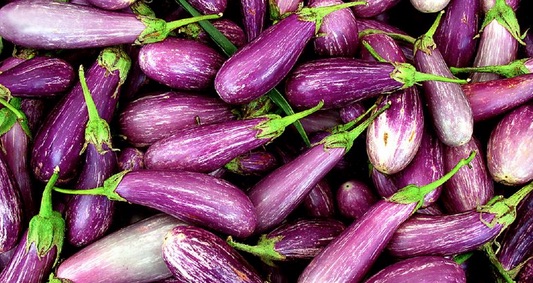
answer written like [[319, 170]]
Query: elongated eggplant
[[254, 13], [374, 8], [131, 254], [59, 25], [354, 198], [159, 115], [429, 6], [256, 163], [320, 202], [196, 255], [228, 28], [209, 6], [208, 147], [509, 158], [421, 269], [130, 158], [111, 4], [181, 64], [11, 210], [38, 77]]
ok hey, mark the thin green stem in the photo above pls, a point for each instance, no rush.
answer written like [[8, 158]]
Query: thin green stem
[[46, 209], [91, 106], [372, 51], [182, 22], [98, 191], [396, 36]]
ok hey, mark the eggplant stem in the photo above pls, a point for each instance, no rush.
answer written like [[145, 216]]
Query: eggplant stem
[[317, 14], [506, 17], [98, 191], [425, 42], [265, 248], [393, 35], [513, 69], [372, 51], [421, 77], [351, 124], [491, 255], [431, 31], [182, 22], [46, 209]]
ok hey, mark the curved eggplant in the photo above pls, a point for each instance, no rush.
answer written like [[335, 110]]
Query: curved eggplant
[[11, 216]]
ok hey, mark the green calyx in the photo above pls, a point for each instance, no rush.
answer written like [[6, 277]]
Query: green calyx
[[191, 31], [407, 75], [513, 69], [506, 17], [140, 8], [317, 14], [157, 29], [275, 14], [11, 113], [265, 248], [47, 229], [24, 53], [256, 108], [107, 190], [425, 42], [115, 59], [275, 125], [415, 194]]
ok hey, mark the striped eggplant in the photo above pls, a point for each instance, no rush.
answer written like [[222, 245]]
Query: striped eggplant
[[228, 28], [181, 64], [279, 9], [421, 269], [130, 158], [351, 111], [273, 54], [373, 8], [320, 202], [158, 115], [349, 256], [208, 147], [254, 14], [256, 163], [209, 6], [11, 210], [456, 233], [39, 77], [526, 274], [300, 239], [509, 158], [196, 198], [60, 25], [111, 4], [131, 254], [60, 140], [354, 198]]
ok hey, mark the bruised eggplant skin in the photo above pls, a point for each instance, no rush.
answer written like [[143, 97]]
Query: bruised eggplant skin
[[11, 216], [196, 255]]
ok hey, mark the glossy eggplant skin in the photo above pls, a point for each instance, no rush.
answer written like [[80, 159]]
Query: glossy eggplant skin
[[111, 4], [320, 201], [159, 115], [421, 269], [273, 54], [443, 234], [39, 77], [373, 8], [196, 255], [354, 198], [338, 81], [228, 28], [11, 211], [193, 197], [254, 13], [131, 254], [181, 64], [509, 155], [210, 6], [130, 158]]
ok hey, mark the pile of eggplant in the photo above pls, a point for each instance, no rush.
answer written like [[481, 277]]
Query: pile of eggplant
[[266, 141]]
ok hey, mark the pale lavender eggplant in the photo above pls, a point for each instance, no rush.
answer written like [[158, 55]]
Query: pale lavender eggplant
[[159, 115], [228, 28], [320, 202], [455, 34], [209, 6], [429, 6], [38, 77], [111, 4], [354, 198], [130, 158], [492, 98], [131, 254], [421, 269], [281, 8], [338, 34], [373, 8], [181, 64], [509, 155], [258, 162], [351, 111], [254, 14], [471, 187], [11, 210], [321, 121]]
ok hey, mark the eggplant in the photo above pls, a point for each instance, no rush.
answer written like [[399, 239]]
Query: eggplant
[[196, 255], [255, 163], [131, 254], [209, 6], [456, 233], [111, 4], [208, 147], [301, 239], [279, 9], [526, 274], [354, 198], [39, 77], [158, 115], [274, 53], [321, 121], [181, 64], [421, 269], [59, 25], [228, 28], [254, 14], [429, 6], [320, 202], [196, 198], [351, 111], [130, 158], [373, 8], [11, 217], [509, 158]]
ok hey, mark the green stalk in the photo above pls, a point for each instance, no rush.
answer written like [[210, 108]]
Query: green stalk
[[11, 114], [425, 42], [372, 51], [396, 36], [506, 17], [265, 249], [491, 255], [107, 190], [462, 258], [317, 14], [407, 75], [348, 126], [513, 69]]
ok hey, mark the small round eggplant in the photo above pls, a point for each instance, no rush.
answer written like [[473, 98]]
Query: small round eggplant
[[354, 199]]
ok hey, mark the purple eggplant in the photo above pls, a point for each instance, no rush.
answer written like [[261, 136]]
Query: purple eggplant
[[181, 64], [209, 6], [509, 158], [455, 34], [159, 115], [373, 8], [256, 163], [274, 53], [421, 269], [351, 111], [131, 254], [301, 239], [38, 77], [60, 25], [354, 198], [321, 121], [228, 28], [429, 6], [526, 274], [35, 110], [130, 158], [208, 147], [193, 197], [279, 9], [320, 202], [196, 255], [111, 4], [456, 233], [11, 217], [254, 14]]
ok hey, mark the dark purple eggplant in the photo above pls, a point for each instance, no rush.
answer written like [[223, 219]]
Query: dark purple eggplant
[[471, 187], [60, 139], [254, 13], [35, 112], [181, 64], [301, 239], [111, 4], [456, 233], [196, 255], [130, 158], [273, 54], [526, 274], [351, 111], [208, 147], [11, 210], [448, 107], [455, 34], [354, 198], [159, 115], [373, 8], [228, 28], [321, 121], [131, 254], [38, 77], [60, 25], [509, 155], [255, 163], [193, 197], [421, 269], [320, 202]]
